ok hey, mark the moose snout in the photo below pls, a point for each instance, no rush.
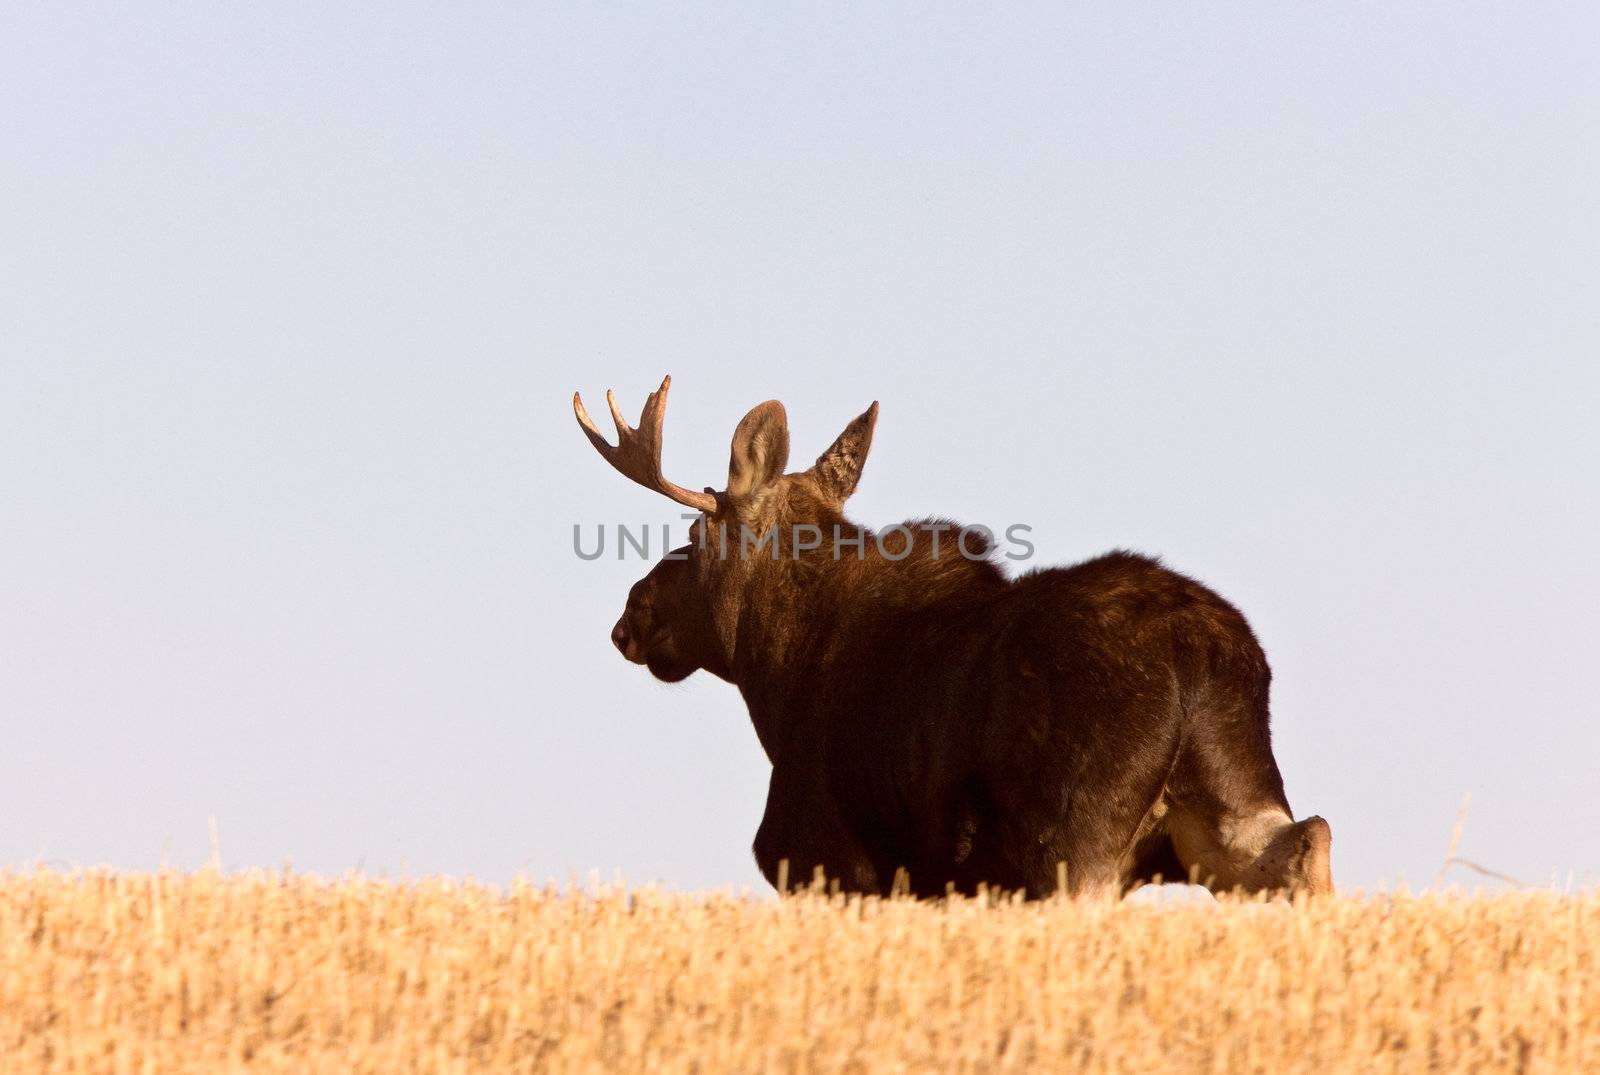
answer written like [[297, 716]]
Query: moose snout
[[630, 642], [622, 638]]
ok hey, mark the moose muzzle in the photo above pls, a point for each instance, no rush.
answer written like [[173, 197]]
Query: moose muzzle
[[625, 641]]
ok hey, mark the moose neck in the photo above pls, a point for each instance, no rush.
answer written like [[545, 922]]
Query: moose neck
[[816, 629]]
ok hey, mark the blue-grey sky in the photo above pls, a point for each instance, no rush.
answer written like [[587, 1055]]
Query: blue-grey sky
[[293, 305]]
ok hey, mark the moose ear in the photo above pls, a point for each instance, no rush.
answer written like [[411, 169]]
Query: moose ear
[[760, 449], [838, 469]]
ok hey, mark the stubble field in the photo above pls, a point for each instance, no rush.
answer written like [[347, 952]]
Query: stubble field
[[202, 972]]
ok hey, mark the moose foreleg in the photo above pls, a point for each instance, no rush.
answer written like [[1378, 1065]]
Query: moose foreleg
[[802, 828]]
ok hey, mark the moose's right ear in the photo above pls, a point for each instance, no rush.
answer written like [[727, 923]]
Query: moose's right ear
[[760, 450]]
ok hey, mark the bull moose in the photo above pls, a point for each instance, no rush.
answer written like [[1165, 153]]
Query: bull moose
[[933, 722]]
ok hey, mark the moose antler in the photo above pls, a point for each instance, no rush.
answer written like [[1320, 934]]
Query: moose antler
[[637, 453]]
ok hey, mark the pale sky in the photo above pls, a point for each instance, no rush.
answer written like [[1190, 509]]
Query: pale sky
[[293, 306]]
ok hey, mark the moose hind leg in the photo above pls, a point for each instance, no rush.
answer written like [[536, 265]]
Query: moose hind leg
[[1230, 821], [1110, 821], [1264, 850]]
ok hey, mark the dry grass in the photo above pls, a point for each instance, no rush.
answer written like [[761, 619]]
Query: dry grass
[[204, 973]]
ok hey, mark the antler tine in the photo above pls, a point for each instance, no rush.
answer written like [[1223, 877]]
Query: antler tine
[[637, 453], [600, 443], [623, 429]]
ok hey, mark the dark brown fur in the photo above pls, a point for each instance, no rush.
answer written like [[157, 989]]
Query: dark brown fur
[[931, 715]]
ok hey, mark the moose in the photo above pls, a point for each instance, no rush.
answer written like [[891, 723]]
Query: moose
[[936, 725]]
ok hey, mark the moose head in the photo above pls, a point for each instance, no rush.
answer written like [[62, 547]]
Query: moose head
[[689, 611]]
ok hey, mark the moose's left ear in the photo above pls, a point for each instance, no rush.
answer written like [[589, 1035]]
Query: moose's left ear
[[838, 469]]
